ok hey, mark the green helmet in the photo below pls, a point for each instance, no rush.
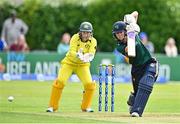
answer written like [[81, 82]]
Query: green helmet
[[86, 26]]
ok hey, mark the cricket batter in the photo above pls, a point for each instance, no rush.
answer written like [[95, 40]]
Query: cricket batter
[[144, 70], [81, 53]]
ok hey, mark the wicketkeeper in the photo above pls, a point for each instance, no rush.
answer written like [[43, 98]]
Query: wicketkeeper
[[81, 53], [144, 67]]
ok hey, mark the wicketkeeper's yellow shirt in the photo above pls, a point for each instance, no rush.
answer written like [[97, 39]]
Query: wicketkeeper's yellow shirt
[[75, 44]]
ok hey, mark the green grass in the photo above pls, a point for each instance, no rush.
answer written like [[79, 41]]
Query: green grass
[[31, 100]]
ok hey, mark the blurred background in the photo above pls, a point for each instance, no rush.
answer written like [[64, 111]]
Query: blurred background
[[48, 20]]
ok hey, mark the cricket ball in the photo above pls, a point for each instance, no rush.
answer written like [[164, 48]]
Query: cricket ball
[[10, 98]]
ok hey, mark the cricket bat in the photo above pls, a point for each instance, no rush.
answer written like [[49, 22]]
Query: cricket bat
[[131, 44]]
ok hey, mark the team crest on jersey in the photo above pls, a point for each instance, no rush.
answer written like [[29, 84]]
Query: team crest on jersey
[[87, 46]]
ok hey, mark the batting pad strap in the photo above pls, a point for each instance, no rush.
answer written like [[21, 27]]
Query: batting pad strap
[[90, 86], [58, 84]]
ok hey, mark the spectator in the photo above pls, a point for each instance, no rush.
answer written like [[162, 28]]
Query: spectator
[[170, 48], [12, 28], [19, 45], [63, 46], [148, 44]]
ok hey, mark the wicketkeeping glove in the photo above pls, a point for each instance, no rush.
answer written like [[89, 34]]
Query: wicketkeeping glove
[[80, 54], [88, 57]]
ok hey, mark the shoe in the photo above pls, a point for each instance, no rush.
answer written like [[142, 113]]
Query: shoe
[[135, 114], [88, 110], [50, 109]]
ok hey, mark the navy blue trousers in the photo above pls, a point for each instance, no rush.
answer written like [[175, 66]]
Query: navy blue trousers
[[143, 79]]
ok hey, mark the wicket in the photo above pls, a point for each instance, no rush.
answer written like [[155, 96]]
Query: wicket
[[106, 73]]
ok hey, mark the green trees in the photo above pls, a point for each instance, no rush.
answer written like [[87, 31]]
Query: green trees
[[47, 23]]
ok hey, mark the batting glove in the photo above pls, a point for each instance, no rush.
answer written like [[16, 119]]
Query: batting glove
[[133, 27], [128, 18]]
